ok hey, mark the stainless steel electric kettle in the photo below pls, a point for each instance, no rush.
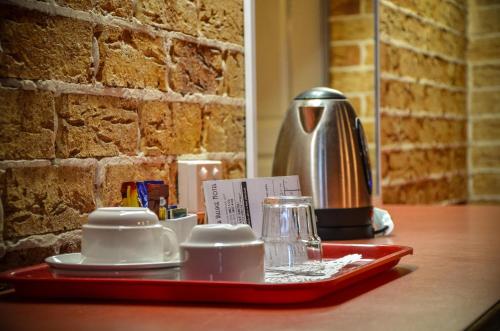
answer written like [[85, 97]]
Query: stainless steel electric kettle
[[322, 140]]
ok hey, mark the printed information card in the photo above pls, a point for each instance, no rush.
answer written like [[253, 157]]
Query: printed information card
[[239, 201]]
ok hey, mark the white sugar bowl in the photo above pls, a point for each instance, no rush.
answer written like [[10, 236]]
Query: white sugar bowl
[[222, 252]]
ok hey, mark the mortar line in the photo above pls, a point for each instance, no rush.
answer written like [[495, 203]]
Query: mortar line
[[422, 19], [352, 42], [356, 68], [486, 197], [486, 116], [362, 56], [486, 88], [349, 17], [452, 201], [359, 94], [213, 156], [485, 170], [387, 182], [488, 7], [403, 44], [402, 147], [55, 10], [456, 4], [423, 81], [90, 161], [487, 35], [485, 62], [121, 92], [422, 114], [363, 110], [485, 143], [34, 240]]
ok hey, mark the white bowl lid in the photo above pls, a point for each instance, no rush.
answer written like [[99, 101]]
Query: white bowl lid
[[126, 216], [221, 235]]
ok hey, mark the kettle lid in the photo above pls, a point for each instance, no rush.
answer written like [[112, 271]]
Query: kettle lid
[[320, 93]]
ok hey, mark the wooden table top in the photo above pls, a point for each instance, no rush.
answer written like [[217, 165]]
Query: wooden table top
[[452, 279]]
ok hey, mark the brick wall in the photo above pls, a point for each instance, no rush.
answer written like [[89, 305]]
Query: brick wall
[[94, 93], [423, 90], [352, 59], [484, 100]]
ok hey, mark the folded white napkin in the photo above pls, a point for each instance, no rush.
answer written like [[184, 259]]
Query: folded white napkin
[[382, 222]]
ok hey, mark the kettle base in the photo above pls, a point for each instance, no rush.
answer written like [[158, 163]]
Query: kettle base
[[346, 232], [345, 223]]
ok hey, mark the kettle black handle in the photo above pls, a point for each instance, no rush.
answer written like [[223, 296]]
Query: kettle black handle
[[365, 157]]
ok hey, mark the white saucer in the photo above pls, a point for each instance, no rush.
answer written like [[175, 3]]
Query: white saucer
[[74, 261]]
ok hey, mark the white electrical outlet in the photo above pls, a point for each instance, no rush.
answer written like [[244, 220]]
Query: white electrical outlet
[[191, 174]]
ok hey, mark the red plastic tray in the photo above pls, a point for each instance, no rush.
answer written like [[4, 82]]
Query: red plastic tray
[[39, 282]]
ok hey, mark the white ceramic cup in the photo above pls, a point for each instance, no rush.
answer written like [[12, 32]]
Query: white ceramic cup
[[127, 235], [222, 252], [182, 226]]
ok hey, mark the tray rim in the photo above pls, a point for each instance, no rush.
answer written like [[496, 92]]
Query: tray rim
[[11, 276]]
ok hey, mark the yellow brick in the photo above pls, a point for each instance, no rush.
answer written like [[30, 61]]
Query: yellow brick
[[26, 124], [41, 199], [485, 156], [223, 128], [40, 46], [406, 129], [427, 191], [484, 20], [413, 96], [366, 6], [369, 128], [389, 129], [443, 12], [405, 62], [234, 75], [233, 169], [120, 8], [486, 2], [369, 54], [370, 105], [421, 163], [96, 126], [486, 102], [384, 163], [462, 3], [486, 183], [120, 64], [399, 26], [345, 55], [344, 7], [488, 129], [170, 128], [178, 15], [195, 68], [486, 75], [352, 29], [353, 81], [76, 4], [484, 49], [398, 95], [221, 20], [372, 157], [355, 103]]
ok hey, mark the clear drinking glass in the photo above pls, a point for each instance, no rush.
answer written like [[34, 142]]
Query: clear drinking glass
[[289, 231]]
